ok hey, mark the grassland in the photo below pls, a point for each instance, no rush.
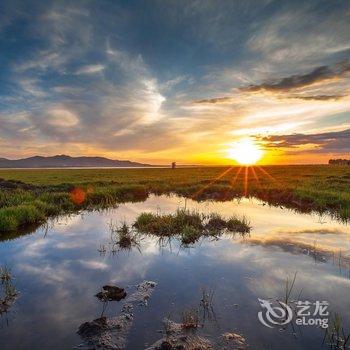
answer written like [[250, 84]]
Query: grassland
[[30, 196]]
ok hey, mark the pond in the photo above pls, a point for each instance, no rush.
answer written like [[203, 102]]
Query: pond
[[58, 269]]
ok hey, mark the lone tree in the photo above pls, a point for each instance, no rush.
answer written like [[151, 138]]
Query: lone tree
[[173, 165]]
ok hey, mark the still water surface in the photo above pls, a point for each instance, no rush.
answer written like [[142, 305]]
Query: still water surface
[[59, 269]]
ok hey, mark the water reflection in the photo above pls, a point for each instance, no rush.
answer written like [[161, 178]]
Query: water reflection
[[58, 269]]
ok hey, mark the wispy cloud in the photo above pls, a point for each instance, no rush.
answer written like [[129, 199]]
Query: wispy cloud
[[303, 33], [323, 142], [319, 97], [213, 100], [91, 69], [319, 74]]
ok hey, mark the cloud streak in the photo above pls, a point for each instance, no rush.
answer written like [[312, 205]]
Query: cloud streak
[[217, 100], [319, 97], [319, 74], [91, 69], [338, 141]]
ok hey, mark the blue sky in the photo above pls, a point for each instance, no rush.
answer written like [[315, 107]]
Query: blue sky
[[175, 80]]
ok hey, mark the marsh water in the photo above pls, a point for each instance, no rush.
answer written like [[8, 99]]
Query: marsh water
[[59, 268]]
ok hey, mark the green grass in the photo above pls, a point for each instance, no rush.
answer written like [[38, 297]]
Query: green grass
[[332, 176], [30, 196], [235, 224], [190, 235], [21, 215], [188, 225]]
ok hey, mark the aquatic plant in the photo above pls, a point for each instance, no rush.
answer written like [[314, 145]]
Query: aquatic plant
[[207, 297], [186, 218], [335, 336], [102, 249], [8, 291], [122, 236], [190, 319], [189, 225], [206, 303], [159, 225], [235, 224], [144, 221], [190, 234], [5, 274], [126, 238], [289, 285], [216, 223]]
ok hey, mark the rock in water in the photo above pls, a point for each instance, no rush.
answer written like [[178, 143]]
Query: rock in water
[[111, 333], [111, 293], [177, 337], [232, 341], [143, 293], [107, 333]]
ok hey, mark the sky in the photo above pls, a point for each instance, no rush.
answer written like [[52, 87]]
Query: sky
[[163, 80]]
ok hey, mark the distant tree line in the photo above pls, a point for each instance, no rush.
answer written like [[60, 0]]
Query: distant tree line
[[339, 162]]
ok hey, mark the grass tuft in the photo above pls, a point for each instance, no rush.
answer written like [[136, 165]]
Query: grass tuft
[[190, 319], [190, 235], [235, 224], [14, 217], [122, 236], [189, 225], [216, 223]]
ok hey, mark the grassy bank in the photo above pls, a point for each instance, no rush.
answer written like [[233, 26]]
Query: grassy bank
[[30, 196]]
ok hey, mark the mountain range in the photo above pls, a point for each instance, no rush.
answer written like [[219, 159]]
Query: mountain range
[[63, 161]]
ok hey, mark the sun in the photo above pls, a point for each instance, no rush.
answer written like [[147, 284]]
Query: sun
[[245, 152]]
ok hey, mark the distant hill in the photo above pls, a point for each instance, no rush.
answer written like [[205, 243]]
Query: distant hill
[[63, 161]]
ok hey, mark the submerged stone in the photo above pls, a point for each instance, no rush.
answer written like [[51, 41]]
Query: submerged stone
[[143, 292], [177, 338], [232, 341], [110, 333], [111, 293]]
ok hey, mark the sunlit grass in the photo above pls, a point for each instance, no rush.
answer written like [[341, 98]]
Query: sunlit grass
[[188, 225], [53, 191]]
